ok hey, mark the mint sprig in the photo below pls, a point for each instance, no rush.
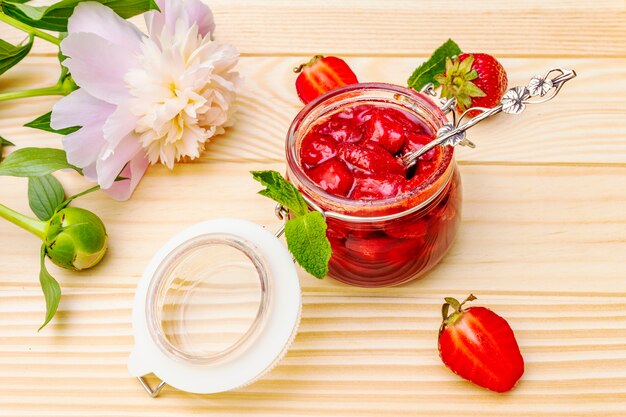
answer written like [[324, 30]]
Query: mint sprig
[[305, 231], [435, 65]]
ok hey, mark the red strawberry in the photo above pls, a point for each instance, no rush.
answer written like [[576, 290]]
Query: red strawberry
[[386, 131], [322, 74], [340, 130], [316, 149], [478, 345], [377, 187], [333, 176], [371, 158], [476, 80]]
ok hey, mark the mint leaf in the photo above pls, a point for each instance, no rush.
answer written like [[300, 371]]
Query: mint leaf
[[10, 55], [281, 191], [35, 162], [436, 64], [45, 195], [55, 17], [43, 123], [307, 242], [51, 289], [306, 231]]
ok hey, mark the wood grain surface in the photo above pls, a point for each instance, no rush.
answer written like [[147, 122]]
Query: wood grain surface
[[543, 238]]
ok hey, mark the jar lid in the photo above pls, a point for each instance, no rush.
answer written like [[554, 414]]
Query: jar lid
[[216, 308]]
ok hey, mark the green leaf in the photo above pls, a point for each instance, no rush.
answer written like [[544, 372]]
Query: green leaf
[[281, 191], [35, 162], [51, 289], [45, 195], [307, 242], [436, 64], [55, 17], [3, 143], [43, 123], [10, 55], [453, 302]]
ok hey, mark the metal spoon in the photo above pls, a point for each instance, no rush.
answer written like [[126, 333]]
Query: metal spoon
[[539, 90]]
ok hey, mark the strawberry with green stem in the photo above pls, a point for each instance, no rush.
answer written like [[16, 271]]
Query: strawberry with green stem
[[475, 80], [479, 345]]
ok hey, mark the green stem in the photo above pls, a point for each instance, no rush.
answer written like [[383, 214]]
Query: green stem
[[60, 89], [29, 29], [36, 227]]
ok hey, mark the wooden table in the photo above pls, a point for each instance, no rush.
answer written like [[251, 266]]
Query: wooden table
[[543, 239]]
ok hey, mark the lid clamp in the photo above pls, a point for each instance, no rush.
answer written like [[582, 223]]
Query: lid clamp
[[153, 393]]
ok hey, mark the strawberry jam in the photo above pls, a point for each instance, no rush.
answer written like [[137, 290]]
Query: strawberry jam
[[386, 224]]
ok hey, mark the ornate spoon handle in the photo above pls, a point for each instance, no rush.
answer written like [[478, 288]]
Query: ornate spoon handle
[[539, 90]]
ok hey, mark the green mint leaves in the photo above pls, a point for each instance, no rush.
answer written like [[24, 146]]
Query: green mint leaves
[[281, 191], [435, 65], [305, 231], [307, 242]]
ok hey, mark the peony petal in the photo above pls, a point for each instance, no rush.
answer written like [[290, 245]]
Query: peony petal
[[134, 170], [84, 146], [111, 163], [93, 17], [119, 124], [98, 65], [191, 11], [79, 109]]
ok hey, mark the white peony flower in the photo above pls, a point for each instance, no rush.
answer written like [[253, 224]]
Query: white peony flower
[[143, 99]]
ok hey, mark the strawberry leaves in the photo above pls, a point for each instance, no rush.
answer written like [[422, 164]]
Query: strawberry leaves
[[436, 64], [305, 231], [457, 81]]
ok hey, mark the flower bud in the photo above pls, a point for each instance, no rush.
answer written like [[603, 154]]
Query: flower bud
[[75, 239]]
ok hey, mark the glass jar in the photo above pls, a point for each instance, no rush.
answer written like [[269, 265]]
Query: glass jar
[[216, 308], [389, 241]]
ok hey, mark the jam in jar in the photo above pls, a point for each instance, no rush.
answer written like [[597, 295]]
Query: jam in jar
[[386, 224]]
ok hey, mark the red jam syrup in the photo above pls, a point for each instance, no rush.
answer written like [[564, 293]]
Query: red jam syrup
[[355, 154]]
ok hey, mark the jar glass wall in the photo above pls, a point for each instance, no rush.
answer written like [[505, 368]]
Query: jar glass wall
[[387, 241]]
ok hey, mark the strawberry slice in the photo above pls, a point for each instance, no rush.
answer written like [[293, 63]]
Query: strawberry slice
[[322, 74], [478, 345], [333, 176], [371, 159]]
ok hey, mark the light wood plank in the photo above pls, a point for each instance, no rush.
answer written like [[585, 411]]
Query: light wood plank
[[526, 230], [403, 27], [371, 355], [586, 119]]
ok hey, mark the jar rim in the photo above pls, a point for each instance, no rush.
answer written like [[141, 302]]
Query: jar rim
[[160, 282], [334, 96]]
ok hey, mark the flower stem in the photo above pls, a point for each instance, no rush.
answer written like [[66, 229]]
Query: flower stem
[[36, 227], [29, 29], [62, 88]]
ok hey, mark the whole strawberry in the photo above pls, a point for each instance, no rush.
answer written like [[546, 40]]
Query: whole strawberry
[[322, 74], [478, 345], [475, 80]]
